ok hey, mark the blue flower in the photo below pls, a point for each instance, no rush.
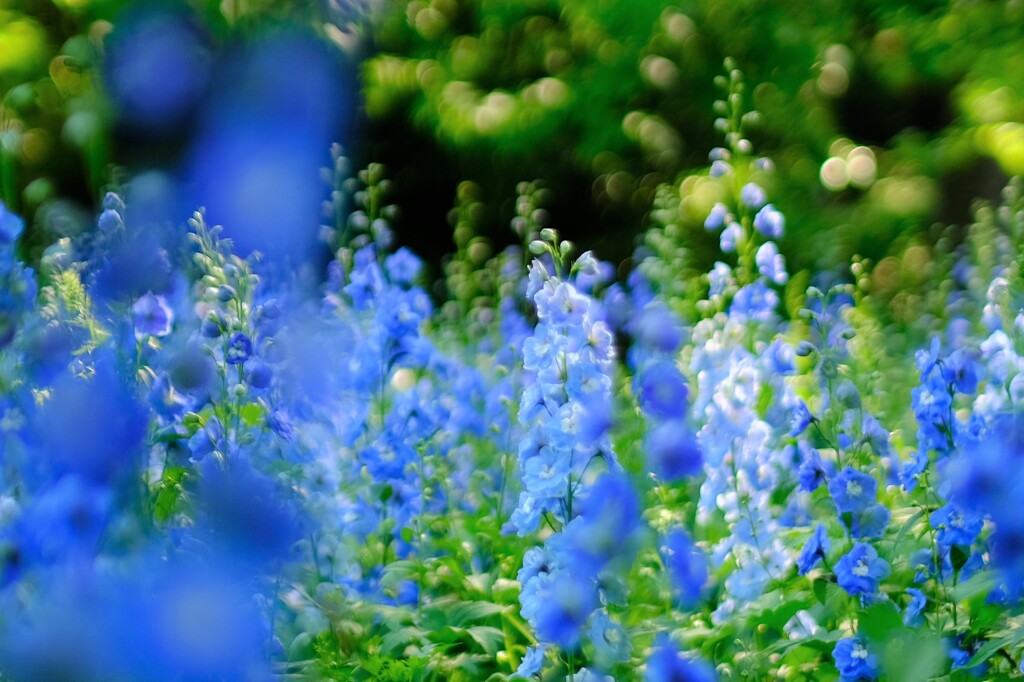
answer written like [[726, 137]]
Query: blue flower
[[731, 235], [870, 523], [611, 643], [151, 316], [960, 371], [754, 301], [258, 374], [812, 471], [853, 491], [814, 550], [801, 419], [716, 218], [546, 474], [92, 427], [911, 471], [748, 583], [11, 225], [771, 264], [672, 451], [661, 390], [609, 514], [239, 349], [956, 525], [752, 195], [658, 328], [666, 664], [770, 222], [912, 614], [859, 571], [564, 608], [854, 660], [532, 662], [403, 266], [110, 221], [687, 566]]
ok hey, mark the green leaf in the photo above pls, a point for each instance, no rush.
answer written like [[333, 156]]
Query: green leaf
[[907, 526], [879, 621], [459, 613], [252, 414], [820, 588], [395, 642], [912, 656], [981, 583], [991, 647], [490, 639], [163, 506]]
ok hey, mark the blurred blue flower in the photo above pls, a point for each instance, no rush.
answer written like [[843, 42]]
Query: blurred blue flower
[[955, 525], [687, 566], [157, 66], [716, 218], [532, 662], [151, 316], [912, 613], [11, 225], [666, 664], [816, 549], [752, 195], [661, 390], [770, 222], [672, 451]]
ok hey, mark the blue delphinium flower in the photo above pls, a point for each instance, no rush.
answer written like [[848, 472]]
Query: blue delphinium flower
[[731, 235], [853, 491], [912, 613], [961, 372], [854, 660], [955, 525], [666, 664], [93, 427], [239, 349], [11, 225], [771, 264], [769, 222], [687, 566], [152, 316], [610, 640], [532, 662], [802, 418], [986, 479], [860, 570], [662, 391], [673, 452], [568, 600], [403, 266], [716, 218], [870, 523], [752, 196], [657, 328], [812, 471], [755, 301], [814, 550]]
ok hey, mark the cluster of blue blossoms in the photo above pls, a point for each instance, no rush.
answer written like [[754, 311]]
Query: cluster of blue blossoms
[[216, 467]]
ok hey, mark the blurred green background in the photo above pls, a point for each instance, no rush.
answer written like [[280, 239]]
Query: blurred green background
[[883, 119]]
